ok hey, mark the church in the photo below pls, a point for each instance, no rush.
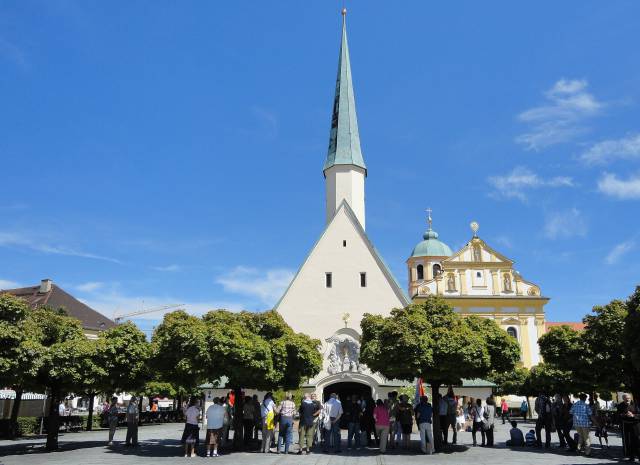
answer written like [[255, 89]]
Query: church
[[344, 276]]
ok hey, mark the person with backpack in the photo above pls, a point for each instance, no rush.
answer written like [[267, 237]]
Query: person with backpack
[[450, 420], [267, 413], [545, 420], [524, 409]]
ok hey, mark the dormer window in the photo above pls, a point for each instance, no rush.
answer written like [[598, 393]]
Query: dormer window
[[420, 272]]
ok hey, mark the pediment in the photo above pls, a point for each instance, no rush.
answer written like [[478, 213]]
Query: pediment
[[478, 251]]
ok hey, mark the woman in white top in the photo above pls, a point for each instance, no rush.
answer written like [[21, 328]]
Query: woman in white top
[[477, 413], [191, 434]]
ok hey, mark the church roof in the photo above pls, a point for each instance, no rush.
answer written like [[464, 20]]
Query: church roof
[[431, 246], [344, 139]]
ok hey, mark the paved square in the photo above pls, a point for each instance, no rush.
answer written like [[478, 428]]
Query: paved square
[[160, 444]]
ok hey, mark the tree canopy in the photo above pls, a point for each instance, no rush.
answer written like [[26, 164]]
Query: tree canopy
[[437, 345]]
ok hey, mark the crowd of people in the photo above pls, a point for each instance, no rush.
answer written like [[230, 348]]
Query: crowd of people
[[388, 423]]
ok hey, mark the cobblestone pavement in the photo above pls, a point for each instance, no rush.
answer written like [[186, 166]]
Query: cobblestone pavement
[[160, 444]]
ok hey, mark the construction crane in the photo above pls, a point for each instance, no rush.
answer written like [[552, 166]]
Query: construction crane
[[118, 319]]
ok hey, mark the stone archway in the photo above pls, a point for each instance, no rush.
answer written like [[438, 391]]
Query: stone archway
[[346, 389]]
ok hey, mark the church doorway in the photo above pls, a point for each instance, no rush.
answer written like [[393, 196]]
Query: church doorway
[[346, 389]]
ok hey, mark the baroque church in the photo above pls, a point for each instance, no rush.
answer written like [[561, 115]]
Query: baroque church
[[344, 276]]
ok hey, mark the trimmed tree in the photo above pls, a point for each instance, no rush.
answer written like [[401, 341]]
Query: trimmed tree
[[258, 351], [437, 345], [630, 341]]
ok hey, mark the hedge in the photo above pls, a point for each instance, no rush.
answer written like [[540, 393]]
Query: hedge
[[28, 425]]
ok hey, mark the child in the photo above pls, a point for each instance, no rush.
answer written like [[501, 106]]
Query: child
[[531, 438], [517, 439]]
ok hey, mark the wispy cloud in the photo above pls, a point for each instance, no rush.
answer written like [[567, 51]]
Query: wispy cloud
[[11, 52], [562, 117], [266, 285], [6, 284], [169, 268], [565, 224], [619, 251], [27, 241], [267, 119], [522, 179], [90, 286], [626, 148], [624, 189]]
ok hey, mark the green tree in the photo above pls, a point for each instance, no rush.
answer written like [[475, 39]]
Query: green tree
[[631, 348], [437, 345], [179, 352], [259, 351]]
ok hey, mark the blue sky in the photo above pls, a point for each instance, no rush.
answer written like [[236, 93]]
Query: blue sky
[[172, 152]]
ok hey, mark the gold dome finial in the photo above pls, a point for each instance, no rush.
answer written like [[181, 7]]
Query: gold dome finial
[[344, 12]]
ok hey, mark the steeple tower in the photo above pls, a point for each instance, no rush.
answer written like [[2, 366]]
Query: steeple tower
[[344, 169]]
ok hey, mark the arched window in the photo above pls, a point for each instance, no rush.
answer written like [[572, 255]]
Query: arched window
[[513, 332], [437, 269], [420, 271]]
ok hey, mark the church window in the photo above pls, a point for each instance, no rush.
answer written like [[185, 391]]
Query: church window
[[328, 280], [478, 274], [363, 279], [513, 332], [451, 282], [420, 271], [344, 243], [437, 269]]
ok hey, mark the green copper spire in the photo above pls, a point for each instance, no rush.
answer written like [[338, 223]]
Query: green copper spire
[[344, 140]]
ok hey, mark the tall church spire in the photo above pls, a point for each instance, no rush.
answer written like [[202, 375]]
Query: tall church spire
[[344, 139]]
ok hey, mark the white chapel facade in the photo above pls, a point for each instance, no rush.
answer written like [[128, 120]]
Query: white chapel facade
[[343, 276]]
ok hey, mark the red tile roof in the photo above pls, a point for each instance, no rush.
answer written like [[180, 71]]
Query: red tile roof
[[578, 326]]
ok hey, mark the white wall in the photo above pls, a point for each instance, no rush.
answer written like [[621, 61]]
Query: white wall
[[345, 182]]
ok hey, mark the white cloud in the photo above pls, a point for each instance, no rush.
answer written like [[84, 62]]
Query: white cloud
[[610, 184], [90, 286], [268, 120], [25, 241], [565, 224], [266, 285], [626, 148], [561, 118], [619, 251], [6, 284], [168, 268], [522, 179]]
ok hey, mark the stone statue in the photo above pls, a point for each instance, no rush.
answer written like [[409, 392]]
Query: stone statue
[[344, 355]]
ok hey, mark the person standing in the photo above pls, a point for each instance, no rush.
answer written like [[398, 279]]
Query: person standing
[[543, 409], [424, 417], [308, 414], [317, 420], [132, 422], [248, 419], [393, 423], [405, 418], [478, 419], [112, 419], [267, 413], [564, 422], [215, 416], [452, 405], [490, 418], [352, 412], [442, 413], [582, 422], [504, 410], [628, 416], [332, 411], [381, 418], [367, 423], [191, 433], [257, 418], [286, 410], [524, 409]]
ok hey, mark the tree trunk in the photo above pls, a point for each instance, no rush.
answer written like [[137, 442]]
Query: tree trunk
[[437, 432], [53, 423], [179, 412], [15, 411], [238, 426], [140, 411], [90, 417]]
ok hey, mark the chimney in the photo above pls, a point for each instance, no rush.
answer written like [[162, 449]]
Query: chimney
[[45, 286]]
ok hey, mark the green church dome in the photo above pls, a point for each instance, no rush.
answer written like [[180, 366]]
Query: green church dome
[[431, 246]]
